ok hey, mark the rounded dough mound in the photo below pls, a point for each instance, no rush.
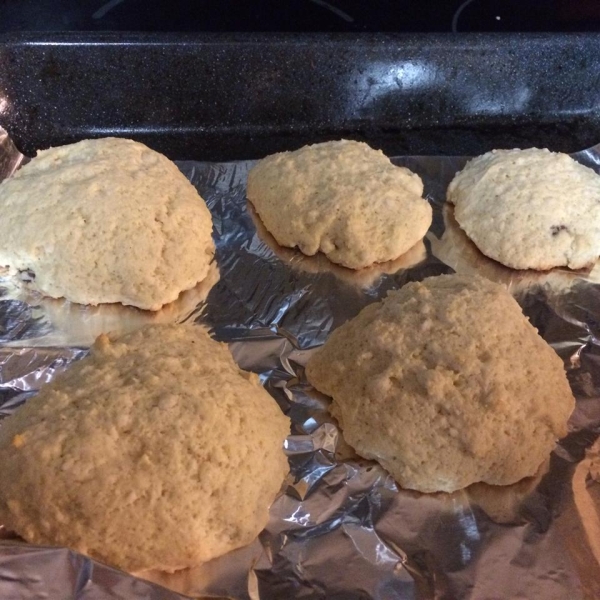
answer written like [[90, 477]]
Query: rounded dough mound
[[446, 383], [155, 452], [106, 220], [530, 209], [342, 198]]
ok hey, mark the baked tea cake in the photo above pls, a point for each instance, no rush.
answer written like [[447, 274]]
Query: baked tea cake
[[530, 209], [154, 452], [445, 383], [106, 220], [341, 198]]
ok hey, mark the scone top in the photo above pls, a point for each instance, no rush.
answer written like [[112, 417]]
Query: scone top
[[103, 221], [529, 209], [446, 383], [342, 198], [154, 452]]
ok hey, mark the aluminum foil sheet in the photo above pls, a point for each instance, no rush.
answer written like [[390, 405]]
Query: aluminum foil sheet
[[341, 528]]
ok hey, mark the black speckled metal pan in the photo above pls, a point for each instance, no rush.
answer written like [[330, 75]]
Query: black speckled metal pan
[[234, 96]]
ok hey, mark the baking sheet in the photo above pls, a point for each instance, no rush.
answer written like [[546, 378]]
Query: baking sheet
[[341, 527]]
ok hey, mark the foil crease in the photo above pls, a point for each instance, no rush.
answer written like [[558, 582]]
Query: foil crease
[[341, 527]]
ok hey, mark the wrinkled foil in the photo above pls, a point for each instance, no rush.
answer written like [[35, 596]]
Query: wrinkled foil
[[341, 527]]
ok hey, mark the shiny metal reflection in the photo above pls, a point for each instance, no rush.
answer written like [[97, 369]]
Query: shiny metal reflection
[[341, 525]]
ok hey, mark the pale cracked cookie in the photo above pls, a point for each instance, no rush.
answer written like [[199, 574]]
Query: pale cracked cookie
[[529, 209], [155, 452], [342, 198], [445, 383], [106, 220]]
